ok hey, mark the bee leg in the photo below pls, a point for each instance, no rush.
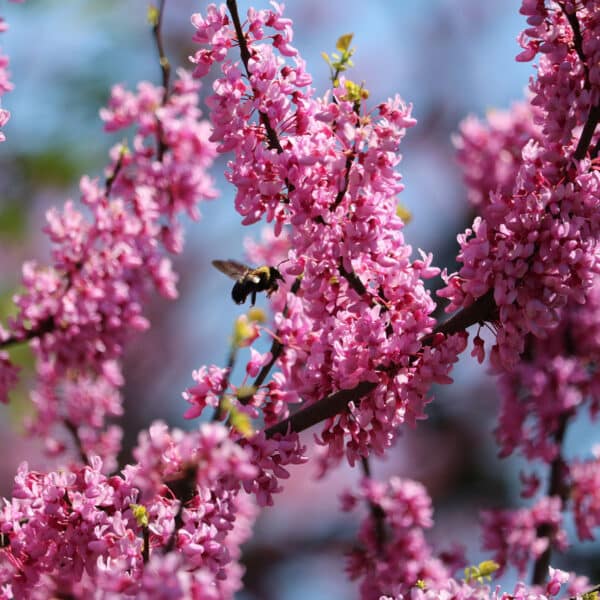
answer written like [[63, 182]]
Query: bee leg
[[253, 298]]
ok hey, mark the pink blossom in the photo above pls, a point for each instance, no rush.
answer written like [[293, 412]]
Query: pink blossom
[[76, 532], [536, 246], [325, 175], [81, 310], [512, 535], [393, 555]]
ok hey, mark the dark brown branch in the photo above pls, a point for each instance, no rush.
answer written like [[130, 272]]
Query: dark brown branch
[[146, 544], [588, 133], [73, 431], [325, 408], [44, 327], [377, 514], [245, 56], [165, 66], [577, 37], [218, 414], [556, 487], [165, 69], [184, 489], [483, 309], [594, 116], [110, 180], [340, 195], [353, 281]]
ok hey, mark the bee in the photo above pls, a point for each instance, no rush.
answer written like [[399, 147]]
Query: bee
[[248, 280]]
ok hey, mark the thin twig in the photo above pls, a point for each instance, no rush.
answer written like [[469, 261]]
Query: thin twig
[[72, 429], [376, 511], [110, 180], [44, 327], [594, 115], [556, 487], [276, 350], [165, 69], [165, 65], [184, 489], [217, 415], [274, 142]]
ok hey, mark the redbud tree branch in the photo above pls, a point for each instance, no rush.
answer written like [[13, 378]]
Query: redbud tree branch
[[377, 514], [594, 115], [483, 309], [556, 482], [245, 56], [165, 66], [556, 487]]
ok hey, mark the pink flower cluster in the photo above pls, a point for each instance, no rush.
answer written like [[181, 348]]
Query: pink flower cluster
[[460, 590], [324, 172], [77, 409], [536, 245], [269, 455], [513, 535], [585, 495], [555, 377], [555, 380], [395, 562], [80, 532], [81, 310], [394, 554], [490, 153]]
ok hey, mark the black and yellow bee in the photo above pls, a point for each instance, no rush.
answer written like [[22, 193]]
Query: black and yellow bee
[[248, 280]]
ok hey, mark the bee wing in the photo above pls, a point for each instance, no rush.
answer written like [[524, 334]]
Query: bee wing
[[231, 268]]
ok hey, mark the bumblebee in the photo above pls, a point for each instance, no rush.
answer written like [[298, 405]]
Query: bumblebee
[[248, 280]]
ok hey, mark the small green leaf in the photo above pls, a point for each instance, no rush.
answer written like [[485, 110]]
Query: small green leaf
[[403, 213], [257, 315], [238, 419], [344, 41], [355, 92], [245, 391], [140, 513], [152, 15], [244, 332], [481, 572]]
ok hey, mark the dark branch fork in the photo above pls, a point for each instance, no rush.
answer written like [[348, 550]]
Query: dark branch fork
[[589, 127]]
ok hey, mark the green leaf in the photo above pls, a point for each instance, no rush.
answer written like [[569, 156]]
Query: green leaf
[[238, 419], [481, 572], [152, 15], [344, 41], [140, 513]]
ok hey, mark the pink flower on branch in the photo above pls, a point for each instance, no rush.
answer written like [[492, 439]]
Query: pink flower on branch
[[80, 311], [536, 245], [323, 171], [81, 532]]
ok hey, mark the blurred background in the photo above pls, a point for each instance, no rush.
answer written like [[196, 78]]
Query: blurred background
[[449, 58]]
